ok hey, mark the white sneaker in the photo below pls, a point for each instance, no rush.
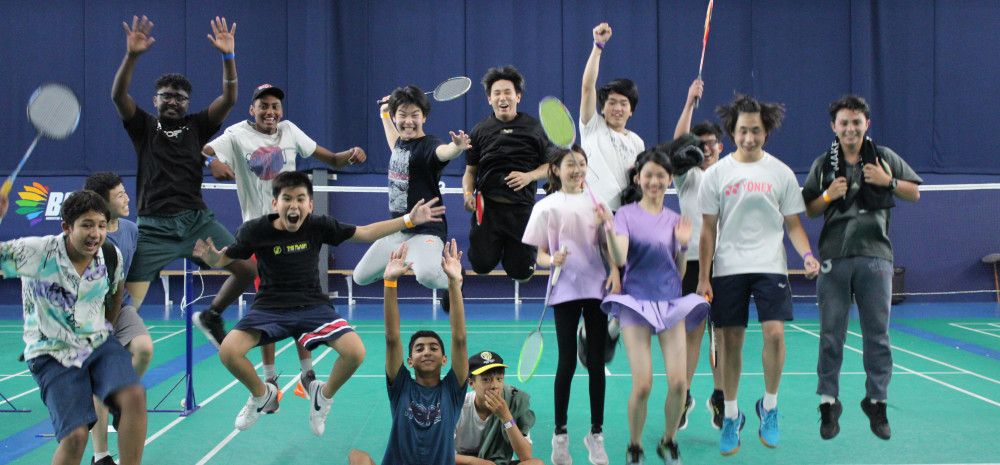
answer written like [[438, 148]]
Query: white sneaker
[[560, 450], [252, 410], [595, 448], [320, 408]]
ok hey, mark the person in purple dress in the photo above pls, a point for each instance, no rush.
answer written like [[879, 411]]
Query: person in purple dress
[[566, 228], [651, 239]]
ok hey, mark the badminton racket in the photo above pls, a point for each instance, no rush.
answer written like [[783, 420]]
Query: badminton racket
[[531, 349], [449, 89], [704, 43], [557, 122]]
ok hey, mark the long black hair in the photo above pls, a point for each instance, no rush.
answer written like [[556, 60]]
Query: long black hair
[[555, 159]]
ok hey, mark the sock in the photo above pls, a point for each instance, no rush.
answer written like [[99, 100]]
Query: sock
[[100, 455], [770, 401], [306, 364], [259, 401], [732, 411], [717, 393], [594, 429], [873, 401], [825, 399], [561, 429], [269, 372]]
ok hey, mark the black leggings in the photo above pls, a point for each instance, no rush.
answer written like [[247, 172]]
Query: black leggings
[[567, 316]]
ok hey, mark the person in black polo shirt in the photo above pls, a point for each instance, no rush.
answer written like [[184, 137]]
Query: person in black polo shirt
[[171, 210], [507, 156], [290, 301]]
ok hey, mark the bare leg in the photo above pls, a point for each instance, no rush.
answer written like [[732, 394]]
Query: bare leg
[[233, 354], [137, 290], [141, 348], [637, 347], [672, 344], [732, 359], [132, 427], [351, 353], [243, 273], [773, 355], [71, 448]]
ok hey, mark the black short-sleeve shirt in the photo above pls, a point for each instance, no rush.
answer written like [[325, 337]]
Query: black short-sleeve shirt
[[287, 262], [501, 147], [170, 161], [414, 174]]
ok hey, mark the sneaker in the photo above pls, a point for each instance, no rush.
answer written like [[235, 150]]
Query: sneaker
[[669, 452], [304, 380], [717, 407], [210, 323], [560, 450], [768, 432], [829, 419], [251, 411], [595, 448], [320, 408], [729, 442], [274, 382], [105, 461], [634, 455], [877, 418], [688, 407]]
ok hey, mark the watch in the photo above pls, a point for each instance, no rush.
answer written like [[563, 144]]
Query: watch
[[893, 184], [208, 160]]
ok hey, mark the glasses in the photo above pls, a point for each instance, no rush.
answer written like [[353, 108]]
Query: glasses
[[172, 97]]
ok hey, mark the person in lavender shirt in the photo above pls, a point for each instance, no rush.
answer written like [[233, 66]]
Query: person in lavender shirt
[[565, 228], [651, 239]]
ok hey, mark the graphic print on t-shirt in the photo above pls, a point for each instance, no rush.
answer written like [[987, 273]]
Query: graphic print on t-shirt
[[399, 178], [266, 162], [424, 416]]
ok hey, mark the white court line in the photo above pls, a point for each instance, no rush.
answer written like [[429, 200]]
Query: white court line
[[995, 325], [974, 330], [935, 380], [218, 447], [629, 375], [21, 373], [212, 397], [169, 335], [929, 359]]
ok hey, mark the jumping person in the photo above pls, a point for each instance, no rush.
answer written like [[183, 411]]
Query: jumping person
[[747, 200]]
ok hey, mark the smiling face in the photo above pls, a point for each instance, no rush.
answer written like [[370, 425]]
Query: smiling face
[[572, 172], [171, 102], [409, 119], [617, 111], [293, 206], [850, 126], [504, 99], [266, 112], [426, 355], [85, 236], [653, 179], [750, 134], [711, 147], [118, 202]]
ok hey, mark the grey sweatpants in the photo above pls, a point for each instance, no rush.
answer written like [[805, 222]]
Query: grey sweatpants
[[869, 281], [424, 252]]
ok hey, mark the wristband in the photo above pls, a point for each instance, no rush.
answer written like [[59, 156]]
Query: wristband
[[408, 222], [508, 424], [826, 197], [229, 81], [599, 45], [468, 193], [807, 255], [209, 160], [229, 56], [389, 284], [385, 114]]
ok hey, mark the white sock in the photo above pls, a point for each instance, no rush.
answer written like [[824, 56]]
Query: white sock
[[100, 455], [770, 401], [825, 399], [732, 411], [306, 363], [260, 400], [269, 372], [873, 401]]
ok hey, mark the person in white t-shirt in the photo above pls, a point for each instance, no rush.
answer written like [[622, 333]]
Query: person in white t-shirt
[[688, 181], [604, 113], [254, 152], [747, 200]]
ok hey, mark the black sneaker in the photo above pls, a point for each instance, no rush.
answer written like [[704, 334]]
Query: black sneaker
[[688, 407], [210, 323], [877, 418], [634, 455], [105, 461], [669, 452], [829, 419], [717, 406]]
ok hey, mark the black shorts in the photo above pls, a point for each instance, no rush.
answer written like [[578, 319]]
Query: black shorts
[[498, 240], [312, 326], [689, 284], [731, 298]]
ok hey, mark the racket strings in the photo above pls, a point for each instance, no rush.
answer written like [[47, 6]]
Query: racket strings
[[452, 88]]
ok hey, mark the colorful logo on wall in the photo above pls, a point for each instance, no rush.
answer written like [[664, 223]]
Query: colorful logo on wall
[[37, 203]]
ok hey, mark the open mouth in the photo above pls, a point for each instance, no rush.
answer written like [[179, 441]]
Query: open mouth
[[292, 218]]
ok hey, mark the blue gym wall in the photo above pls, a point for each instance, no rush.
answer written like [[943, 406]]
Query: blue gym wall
[[926, 67]]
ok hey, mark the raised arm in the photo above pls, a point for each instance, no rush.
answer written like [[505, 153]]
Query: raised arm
[[452, 265], [137, 41], [206, 251], [396, 268], [388, 127], [459, 143], [684, 122], [351, 156], [223, 38], [423, 212], [588, 88]]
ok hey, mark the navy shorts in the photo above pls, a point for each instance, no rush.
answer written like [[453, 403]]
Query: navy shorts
[[312, 326], [731, 298], [68, 392]]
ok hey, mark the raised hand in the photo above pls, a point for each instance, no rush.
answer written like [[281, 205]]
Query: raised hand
[[223, 38], [682, 231], [461, 140], [602, 33], [397, 265], [137, 38], [695, 92], [426, 212], [206, 251], [451, 262]]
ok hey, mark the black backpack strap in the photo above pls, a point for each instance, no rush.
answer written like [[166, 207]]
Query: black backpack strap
[[111, 263]]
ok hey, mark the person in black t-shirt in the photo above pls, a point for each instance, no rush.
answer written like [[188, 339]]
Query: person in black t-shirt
[[414, 173], [507, 156], [171, 210], [290, 302]]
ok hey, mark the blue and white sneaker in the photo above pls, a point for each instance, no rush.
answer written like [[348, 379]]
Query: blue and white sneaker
[[769, 432], [729, 442]]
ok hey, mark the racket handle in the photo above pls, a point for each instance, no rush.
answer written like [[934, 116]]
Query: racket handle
[[558, 269], [697, 101]]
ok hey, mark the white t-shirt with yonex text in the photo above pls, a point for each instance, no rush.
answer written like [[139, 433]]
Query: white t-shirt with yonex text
[[256, 158], [610, 154], [751, 201]]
